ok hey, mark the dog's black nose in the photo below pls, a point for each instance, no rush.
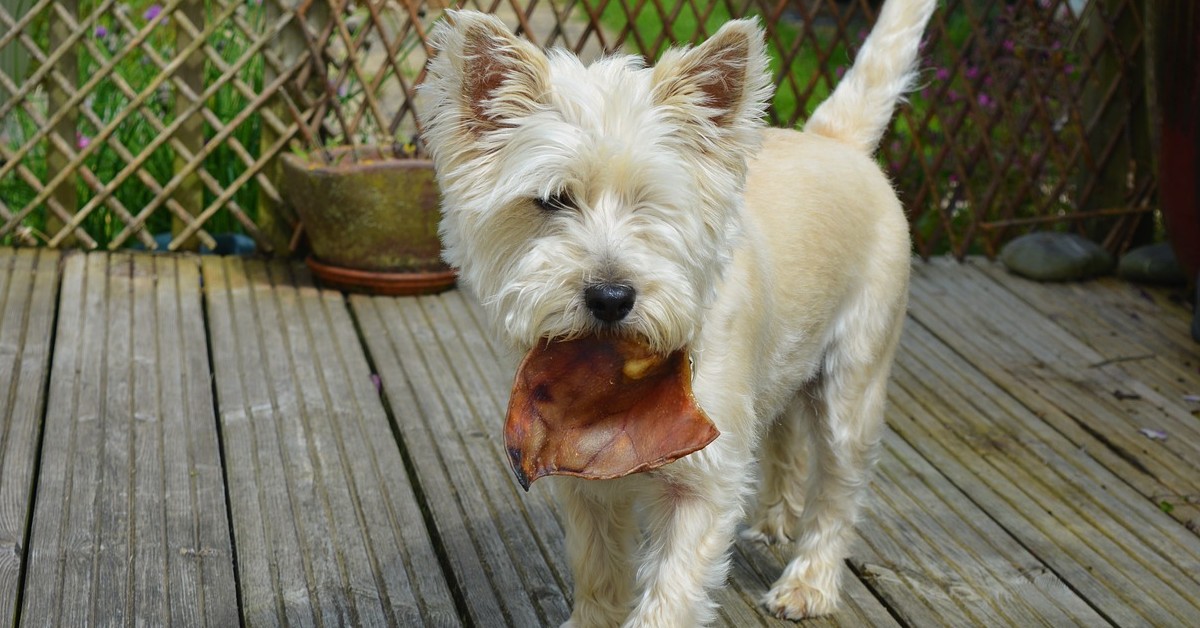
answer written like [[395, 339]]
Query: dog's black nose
[[609, 302]]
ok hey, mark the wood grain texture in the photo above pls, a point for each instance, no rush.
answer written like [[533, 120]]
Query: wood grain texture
[[28, 291], [1138, 329], [937, 558], [1099, 404], [110, 544], [448, 384], [1099, 536], [1013, 487], [326, 524]]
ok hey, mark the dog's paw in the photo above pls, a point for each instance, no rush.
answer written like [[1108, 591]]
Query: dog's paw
[[775, 525], [765, 534], [796, 601]]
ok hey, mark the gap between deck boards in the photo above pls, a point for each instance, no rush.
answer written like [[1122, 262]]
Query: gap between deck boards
[[996, 503]]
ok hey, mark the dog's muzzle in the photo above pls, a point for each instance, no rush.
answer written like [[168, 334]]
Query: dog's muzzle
[[609, 302]]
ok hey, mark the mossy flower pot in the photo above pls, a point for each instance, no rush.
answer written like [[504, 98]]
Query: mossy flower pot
[[371, 218]]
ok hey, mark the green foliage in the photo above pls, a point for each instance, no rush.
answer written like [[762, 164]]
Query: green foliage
[[993, 97], [134, 72], [811, 85], [973, 137]]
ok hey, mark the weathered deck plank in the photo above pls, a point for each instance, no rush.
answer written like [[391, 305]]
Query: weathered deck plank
[[936, 558], [28, 291], [1098, 404], [99, 551], [1096, 533], [326, 524], [1014, 487], [452, 385], [1136, 327], [485, 534]]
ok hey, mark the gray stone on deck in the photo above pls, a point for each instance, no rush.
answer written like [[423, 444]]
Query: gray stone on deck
[[1053, 256], [1153, 263]]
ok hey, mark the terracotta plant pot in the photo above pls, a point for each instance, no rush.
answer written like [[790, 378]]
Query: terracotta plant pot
[[371, 218]]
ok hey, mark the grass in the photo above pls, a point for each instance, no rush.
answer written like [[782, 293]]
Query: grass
[[109, 39]]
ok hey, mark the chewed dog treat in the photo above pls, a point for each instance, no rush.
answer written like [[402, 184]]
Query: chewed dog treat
[[601, 408]]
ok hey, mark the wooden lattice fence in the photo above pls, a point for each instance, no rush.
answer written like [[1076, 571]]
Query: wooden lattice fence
[[123, 120]]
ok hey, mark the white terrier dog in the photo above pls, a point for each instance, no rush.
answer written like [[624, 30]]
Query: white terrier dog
[[650, 201]]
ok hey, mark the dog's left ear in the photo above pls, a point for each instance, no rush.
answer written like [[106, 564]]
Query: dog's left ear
[[726, 80], [483, 72]]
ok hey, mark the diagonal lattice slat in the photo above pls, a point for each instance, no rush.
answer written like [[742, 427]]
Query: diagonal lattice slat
[[131, 120]]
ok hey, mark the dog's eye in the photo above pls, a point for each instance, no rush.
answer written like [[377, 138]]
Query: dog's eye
[[555, 202]]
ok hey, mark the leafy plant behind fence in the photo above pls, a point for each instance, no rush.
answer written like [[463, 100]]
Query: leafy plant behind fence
[[1030, 113]]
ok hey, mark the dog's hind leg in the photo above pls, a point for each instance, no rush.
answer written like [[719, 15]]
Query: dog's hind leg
[[845, 437], [601, 533], [784, 467]]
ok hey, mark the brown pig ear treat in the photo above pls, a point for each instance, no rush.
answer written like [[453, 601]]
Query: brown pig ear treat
[[601, 408]]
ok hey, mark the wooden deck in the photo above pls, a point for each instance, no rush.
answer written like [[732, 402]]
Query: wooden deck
[[206, 441]]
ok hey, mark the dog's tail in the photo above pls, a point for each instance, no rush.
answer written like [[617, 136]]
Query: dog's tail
[[859, 110]]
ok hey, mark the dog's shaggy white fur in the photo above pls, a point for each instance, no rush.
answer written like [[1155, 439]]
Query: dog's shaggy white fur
[[779, 258]]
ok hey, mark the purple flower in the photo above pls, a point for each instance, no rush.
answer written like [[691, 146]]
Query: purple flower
[[82, 141], [152, 12], [101, 32], [1009, 45], [985, 100], [972, 72], [952, 95], [1068, 69], [942, 74]]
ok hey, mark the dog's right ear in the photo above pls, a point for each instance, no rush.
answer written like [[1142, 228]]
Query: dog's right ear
[[485, 74], [726, 81]]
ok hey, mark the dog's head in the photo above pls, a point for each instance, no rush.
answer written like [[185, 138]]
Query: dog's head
[[598, 199]]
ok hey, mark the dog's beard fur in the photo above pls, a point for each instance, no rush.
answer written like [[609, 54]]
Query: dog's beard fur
[[652, 161]]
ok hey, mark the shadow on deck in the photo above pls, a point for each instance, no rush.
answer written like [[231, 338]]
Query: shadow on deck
[[215, 441]]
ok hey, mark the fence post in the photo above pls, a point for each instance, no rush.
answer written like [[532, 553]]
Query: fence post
[[14, 58], [56, 161], [1118, 177], [289, 47], [190, 193]]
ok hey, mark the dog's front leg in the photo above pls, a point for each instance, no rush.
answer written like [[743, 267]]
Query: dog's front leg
[[690, 524], [600, 530]]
